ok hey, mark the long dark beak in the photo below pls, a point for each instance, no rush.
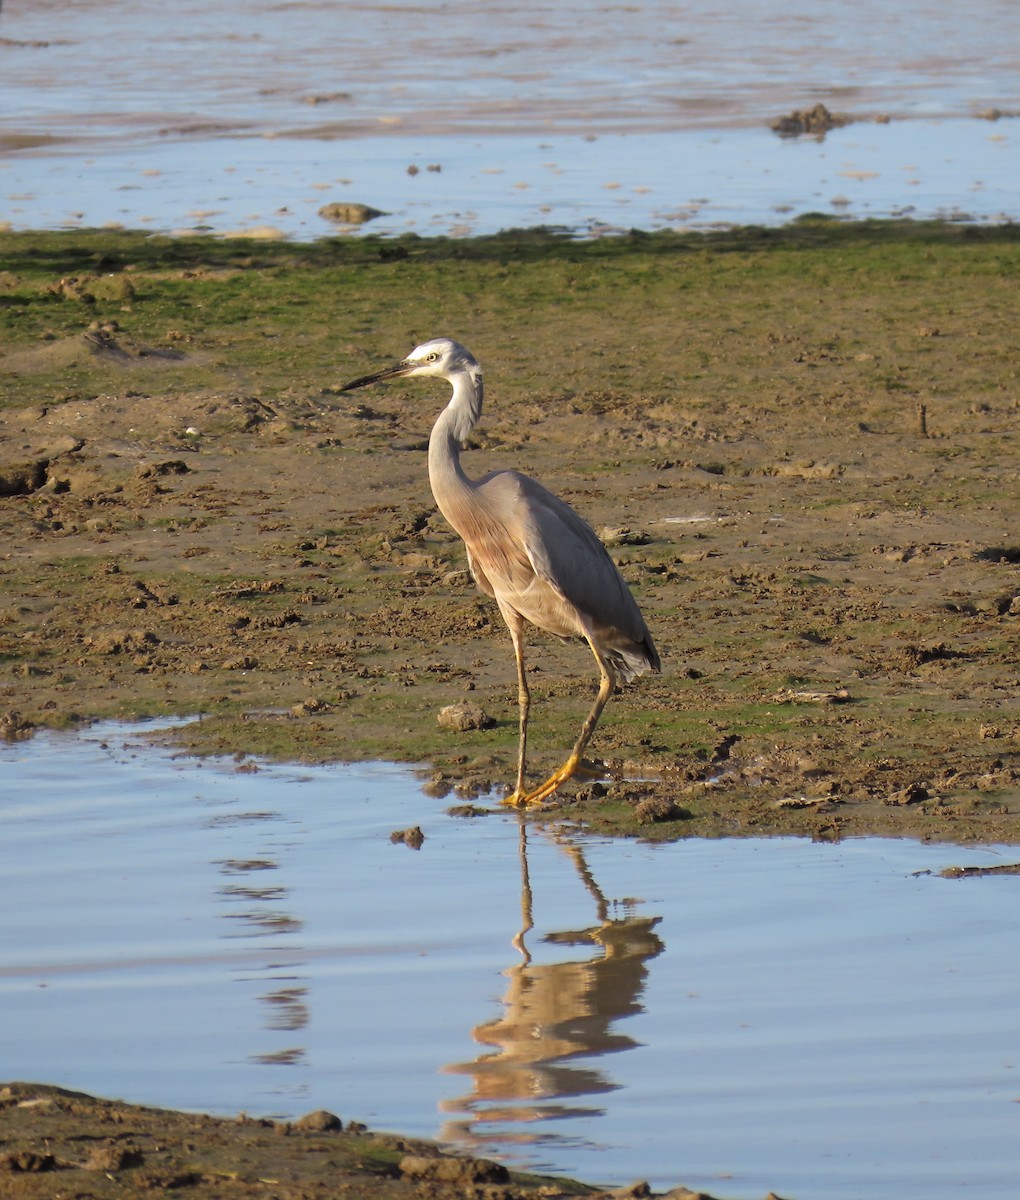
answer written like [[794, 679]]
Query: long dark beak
[[401, 368]]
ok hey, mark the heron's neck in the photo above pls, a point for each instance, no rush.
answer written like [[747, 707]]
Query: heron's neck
[[455, 422]]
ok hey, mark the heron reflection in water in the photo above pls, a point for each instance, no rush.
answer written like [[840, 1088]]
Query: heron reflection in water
[[557, 1018]]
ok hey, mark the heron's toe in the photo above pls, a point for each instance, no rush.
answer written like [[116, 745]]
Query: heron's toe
[[544, 790]]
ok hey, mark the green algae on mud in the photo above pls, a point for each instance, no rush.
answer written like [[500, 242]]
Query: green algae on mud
[[800, 445]]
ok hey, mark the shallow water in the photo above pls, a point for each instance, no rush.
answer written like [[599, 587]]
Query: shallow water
[[737, 1015], [654, 115]]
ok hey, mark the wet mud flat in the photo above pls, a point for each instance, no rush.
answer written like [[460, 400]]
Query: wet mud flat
[[54, 1142], [798, 443]]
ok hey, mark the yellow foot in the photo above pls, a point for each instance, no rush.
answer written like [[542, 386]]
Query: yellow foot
[[569, 770]]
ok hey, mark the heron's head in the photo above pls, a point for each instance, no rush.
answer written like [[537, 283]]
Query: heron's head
[[441, 357]]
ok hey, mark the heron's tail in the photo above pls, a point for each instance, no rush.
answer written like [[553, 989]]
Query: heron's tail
[[631, 659]]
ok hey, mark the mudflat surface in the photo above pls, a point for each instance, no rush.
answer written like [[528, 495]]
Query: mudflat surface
[[55, 1143], [800, 446]]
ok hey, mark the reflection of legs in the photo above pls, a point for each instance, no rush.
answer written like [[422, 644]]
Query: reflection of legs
[[587, 878], [527, 923], [515, 623], [573, 763]]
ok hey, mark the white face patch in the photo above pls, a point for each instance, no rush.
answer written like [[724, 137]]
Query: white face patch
[[439, 356], [428, 352], [438, 346]]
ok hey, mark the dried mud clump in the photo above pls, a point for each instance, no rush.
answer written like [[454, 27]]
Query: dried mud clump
[[21, 479], [29, 472], [349, 214], [654, 809], [25, 1162], [14, 728], [320, 1121], [113, 1158], [817, 120], [458, 1171], [462, 717], [126, 641], [412, 837]]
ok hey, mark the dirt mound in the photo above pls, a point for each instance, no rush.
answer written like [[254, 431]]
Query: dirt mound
[[99, 341]]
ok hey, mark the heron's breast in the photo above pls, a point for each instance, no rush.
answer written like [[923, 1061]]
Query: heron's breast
[[498, 554]]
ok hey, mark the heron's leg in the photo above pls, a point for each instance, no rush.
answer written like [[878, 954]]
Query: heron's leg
[[515, 623], [570, 767]]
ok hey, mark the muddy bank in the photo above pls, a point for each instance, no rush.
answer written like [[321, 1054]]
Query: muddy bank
[[799, 444], [54, 1143]]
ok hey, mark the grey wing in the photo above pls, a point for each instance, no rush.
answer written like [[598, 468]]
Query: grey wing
[[565, 551]]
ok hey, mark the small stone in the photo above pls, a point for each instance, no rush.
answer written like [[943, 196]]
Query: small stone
[[171, 466], [14, 727], [817, 120], [463, 716], [445, 1169], [653, 809], [412, 837], [319, 1121], [243, 662], [623, 536], [349, 214], [917, 793]]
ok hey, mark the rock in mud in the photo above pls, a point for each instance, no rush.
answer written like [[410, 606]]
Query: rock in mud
[[813, 120], [158, 470], [653, 809], [412, 837], [462, 717], [916, 793], [349, 214], [320, 1121], [613, 536], [460, 1171], [14, 728], [73, 287], [123, 641]]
